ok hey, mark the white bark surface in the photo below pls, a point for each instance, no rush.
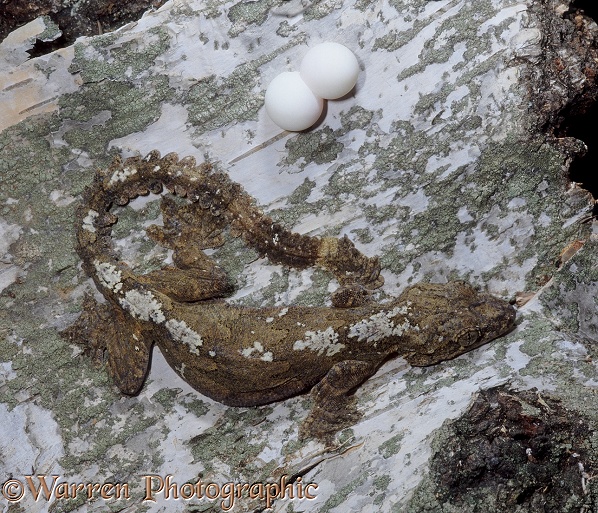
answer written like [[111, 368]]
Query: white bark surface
[[431, 163]]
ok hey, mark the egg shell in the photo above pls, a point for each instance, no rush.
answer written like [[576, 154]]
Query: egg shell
[[291, 104], [330, 70]]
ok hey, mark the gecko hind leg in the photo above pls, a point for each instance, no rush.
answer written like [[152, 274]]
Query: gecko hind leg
[[103, 330], [350, 296], [188, 225], [188, 229], [334, 408]]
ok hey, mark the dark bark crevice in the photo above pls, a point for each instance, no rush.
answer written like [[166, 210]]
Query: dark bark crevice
[[75, 18]]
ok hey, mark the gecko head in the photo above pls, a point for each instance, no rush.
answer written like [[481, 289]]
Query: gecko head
[[452, 318]]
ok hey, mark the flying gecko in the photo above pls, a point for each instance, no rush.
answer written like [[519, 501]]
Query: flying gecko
[[244, 356]]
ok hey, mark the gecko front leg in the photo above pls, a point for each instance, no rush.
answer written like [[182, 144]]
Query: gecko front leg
[[334, 407]]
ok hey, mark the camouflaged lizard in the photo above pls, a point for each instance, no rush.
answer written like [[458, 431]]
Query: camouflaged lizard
[[244, 356]]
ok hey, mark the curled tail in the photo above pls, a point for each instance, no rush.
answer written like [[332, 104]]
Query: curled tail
[[226, 203]]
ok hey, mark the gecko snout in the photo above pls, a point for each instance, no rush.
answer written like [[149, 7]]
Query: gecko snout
[[495, 315]]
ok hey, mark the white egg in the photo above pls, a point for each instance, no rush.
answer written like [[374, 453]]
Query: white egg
[[330, 70], [291, 104]]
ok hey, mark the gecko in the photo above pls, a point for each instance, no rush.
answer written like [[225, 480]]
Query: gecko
[[247, 356]]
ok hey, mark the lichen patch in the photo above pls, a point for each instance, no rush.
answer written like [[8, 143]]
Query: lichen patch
[[143, 305], [320, 342], [89, 219], [109, 276], [259, 348], [120, 175], [380, 325], [183, 333]]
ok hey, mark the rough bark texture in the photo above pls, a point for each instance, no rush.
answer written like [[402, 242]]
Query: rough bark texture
[[448, 161], [71, 18]]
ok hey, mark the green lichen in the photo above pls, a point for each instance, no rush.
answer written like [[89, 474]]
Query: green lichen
[[377, 215], [363, 235], [573, 296], [319, 147], [275, 291], [128, 109], [116, 98], [382, 482], [324, 145], [51, 32], [222, 443], [196, 406], [461, 29], [130, 226], [268, 295], [301, 193], [319, 9], [22, 146], [166, 397], [342, 494], [356, 118], [503, 173], [233, 256], [391, 446], [119, 97], [244, 14], [169, 397], [32, 168], [46, 367], [285, 29], [214, 102], [105, 59], [317, 294]]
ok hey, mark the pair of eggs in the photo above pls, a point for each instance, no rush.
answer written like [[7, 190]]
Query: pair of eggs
[[295, 99]]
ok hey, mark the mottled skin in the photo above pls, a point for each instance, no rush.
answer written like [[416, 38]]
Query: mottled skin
[[250, 356]]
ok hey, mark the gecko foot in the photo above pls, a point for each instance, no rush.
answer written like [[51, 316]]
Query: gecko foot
[[187, 224], [350, 296], [334, 409], [84, 331], [103, 328], [323, 424]]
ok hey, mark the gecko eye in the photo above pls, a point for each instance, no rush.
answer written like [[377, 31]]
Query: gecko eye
[[468, 336]]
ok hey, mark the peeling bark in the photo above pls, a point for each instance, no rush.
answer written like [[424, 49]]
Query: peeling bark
[[449, 161]]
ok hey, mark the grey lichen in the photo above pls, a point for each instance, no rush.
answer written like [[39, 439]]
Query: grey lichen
[[51, 32], [130, 109], [103, 59], [398, 178], [573, 296], [222, 443], [391, 446], [215, 102], [322, 342], [243, 14], [319, 147]]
